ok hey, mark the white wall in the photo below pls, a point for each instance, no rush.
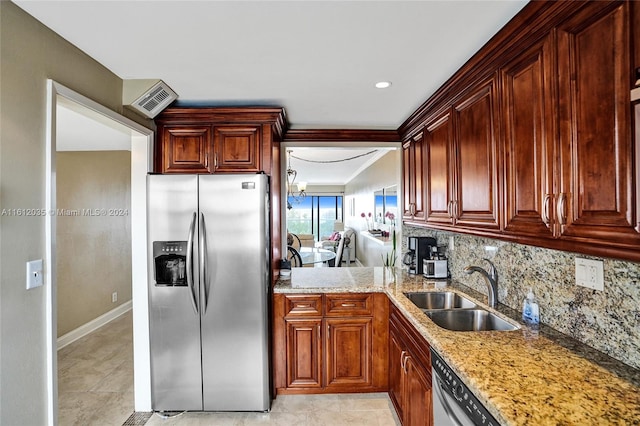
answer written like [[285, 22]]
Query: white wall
[[30, 53], [385, 172]]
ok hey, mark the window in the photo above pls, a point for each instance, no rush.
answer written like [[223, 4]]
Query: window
[[315, 214]]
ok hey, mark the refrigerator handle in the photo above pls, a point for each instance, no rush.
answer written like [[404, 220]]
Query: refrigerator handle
[[192, 290], [203, 263]]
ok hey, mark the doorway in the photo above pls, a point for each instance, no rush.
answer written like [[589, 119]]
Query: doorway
[[353, 171], [140, 145]]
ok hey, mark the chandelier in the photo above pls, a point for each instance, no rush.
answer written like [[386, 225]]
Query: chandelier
[[300, 186]]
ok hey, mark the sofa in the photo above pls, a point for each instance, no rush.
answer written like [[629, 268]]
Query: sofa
[[331, 242]]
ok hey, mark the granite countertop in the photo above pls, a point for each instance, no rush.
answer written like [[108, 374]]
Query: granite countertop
[[523, 377]]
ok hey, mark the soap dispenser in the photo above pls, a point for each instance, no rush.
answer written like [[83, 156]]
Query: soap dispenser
[[530, 309]]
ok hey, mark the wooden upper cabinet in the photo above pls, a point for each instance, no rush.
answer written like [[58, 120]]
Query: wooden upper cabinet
[[532, 139], [476, 191], [408, 178], [529, 141], [237, 148], [439, 169], [596, 187], [413, 178], [460, 162], [218, 139], [186, 149]]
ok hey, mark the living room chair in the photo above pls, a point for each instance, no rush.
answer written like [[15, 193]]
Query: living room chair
[[294, 257], [293, 241], [339, 251]]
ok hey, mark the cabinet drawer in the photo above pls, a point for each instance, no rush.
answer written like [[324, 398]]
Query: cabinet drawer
[[348, 304], [303, 305]]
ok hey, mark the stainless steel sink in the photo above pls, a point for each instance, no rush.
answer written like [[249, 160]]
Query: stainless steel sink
[[440, 300], [469, 320]]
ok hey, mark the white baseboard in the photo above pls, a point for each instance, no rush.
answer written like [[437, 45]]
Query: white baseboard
[[93, 325]]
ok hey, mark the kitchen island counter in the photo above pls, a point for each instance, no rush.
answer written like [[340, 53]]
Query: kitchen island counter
[[523, 377]]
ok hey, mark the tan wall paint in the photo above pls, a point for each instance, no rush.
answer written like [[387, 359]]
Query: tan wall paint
[[30, 53], [93, 251]]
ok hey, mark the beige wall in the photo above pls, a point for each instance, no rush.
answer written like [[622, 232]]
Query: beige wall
[[383, 173], [30, 53], [93, 251]]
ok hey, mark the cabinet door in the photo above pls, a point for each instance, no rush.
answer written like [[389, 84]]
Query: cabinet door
[[304, 363], [475, 203], [596, 198], [413, 175], [348, 348], [396, 373], [418, 395], [237, 149], [186, 149], [529, 141], [438, 174], [408, 176]]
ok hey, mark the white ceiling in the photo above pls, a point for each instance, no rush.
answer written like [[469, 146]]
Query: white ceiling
[[77, 132], [317, 59], [330, 166]]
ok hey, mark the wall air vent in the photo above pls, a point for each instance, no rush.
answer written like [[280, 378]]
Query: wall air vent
[[154, 99]]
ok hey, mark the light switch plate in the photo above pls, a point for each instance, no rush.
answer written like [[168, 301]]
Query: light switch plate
[[34, 274], [590, 273]]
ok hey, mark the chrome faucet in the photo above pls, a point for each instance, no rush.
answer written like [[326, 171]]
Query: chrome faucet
[[490, 277]]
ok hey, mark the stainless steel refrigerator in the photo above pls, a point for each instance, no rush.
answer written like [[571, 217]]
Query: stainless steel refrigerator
[[208, 240]]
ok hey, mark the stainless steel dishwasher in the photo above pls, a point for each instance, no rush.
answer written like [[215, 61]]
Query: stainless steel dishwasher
[[453, 403]]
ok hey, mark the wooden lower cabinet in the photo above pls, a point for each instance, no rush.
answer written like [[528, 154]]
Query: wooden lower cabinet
[[340, 345], [348, 349], [419, 409], [409, 373], [396, 373], [304, 369]]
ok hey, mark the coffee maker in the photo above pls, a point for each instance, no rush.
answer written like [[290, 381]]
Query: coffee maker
[[419, 250]]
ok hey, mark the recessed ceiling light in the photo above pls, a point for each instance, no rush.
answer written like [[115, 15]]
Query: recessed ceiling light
[[383, 84]]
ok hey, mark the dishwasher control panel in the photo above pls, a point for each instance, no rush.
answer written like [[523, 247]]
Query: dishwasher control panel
[[451, 384]]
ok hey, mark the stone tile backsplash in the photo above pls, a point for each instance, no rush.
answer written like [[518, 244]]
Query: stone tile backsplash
[[606, 320]]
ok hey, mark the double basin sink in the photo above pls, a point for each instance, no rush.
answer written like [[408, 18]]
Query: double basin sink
[[454, 312]]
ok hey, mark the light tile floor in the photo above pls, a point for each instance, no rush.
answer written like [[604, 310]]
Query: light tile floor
[[95, 385], [304, 410]]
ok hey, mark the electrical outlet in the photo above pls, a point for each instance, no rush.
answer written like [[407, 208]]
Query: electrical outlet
[[34, 274], [590, 273], [452, 246], [114, 297], [490, 251]]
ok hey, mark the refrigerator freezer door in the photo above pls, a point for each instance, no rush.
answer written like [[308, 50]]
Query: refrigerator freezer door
[[176, 375], [234, 209]]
